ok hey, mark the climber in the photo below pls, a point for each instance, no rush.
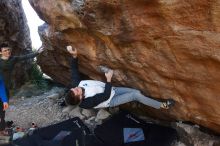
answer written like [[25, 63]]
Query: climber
[[96, 94], [7, 63]]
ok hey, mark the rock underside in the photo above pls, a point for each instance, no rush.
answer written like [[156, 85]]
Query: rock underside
[[165, 48]]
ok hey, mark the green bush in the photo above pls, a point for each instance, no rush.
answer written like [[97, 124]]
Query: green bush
[[36, 77]]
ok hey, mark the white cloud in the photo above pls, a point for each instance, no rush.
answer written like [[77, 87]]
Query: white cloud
[[33, 22]]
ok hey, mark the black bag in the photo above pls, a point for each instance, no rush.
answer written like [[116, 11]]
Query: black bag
[[115, 131], [72, 132], [78, 140], [51, 131]]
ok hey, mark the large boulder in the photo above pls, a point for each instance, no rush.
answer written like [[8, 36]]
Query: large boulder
[[14, 30], [164, 48]]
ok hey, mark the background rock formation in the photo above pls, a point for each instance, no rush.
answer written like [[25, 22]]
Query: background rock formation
[[164, 48], [14, 31]]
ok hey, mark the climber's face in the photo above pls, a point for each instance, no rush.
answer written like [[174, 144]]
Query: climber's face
[[77, 91]]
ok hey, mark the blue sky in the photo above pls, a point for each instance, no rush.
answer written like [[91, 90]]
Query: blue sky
[[33, 21]]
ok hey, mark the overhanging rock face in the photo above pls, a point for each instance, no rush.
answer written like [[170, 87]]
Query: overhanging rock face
[[14, 30], [164, 48]]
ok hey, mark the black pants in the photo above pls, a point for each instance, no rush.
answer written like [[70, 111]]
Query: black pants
[[2, 113], [2, 117]]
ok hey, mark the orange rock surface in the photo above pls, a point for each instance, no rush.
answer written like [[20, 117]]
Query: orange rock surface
[[165, 48]]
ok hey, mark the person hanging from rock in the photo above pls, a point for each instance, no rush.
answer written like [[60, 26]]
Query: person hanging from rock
[[96, 94], [7, 63]]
